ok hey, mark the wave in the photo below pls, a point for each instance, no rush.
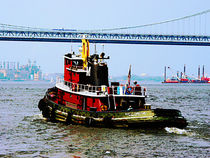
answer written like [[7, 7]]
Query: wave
[[179, 131]]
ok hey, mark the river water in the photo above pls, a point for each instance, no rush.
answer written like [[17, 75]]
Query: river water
[[24, 132]]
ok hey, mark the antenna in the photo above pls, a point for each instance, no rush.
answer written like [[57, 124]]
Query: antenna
[[95, 49], [102, 47]]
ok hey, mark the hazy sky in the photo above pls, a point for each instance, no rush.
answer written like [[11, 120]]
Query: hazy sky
[[93, 14]]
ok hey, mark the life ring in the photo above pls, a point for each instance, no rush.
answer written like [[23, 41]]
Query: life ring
[[104, 108], [129, 90]]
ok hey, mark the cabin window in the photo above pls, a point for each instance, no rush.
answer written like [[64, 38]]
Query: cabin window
[[77, 63], [67, 62]]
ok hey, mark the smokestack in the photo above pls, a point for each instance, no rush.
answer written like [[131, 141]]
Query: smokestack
[[165, 74], [4, 63], [17, 65], [184, 70], [8, 65], [199, 76], [203, 70], [181, 75], [177, 74], [29, 62], [13, 65]]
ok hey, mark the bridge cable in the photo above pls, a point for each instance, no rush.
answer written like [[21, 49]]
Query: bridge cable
[[152, 24]]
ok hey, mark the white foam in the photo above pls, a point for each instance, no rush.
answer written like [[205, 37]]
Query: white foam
[[178, 131], [38, 116]]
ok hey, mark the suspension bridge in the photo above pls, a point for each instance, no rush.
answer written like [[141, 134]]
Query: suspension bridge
[[189, 30]]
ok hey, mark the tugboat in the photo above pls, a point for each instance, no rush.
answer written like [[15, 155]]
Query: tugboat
[[86, 97], [184, 78]]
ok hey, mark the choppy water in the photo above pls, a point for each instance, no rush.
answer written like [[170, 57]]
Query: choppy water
[[24, 133]]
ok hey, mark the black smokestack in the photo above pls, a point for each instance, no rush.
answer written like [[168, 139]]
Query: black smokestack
[[184, 69], [203, 70], [199, 76], [165, 74]]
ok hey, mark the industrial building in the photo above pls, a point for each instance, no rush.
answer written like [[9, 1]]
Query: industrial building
[[16, 72]]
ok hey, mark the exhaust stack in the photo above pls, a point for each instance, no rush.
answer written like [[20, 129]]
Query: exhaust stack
[[184, 70], [165, 74]]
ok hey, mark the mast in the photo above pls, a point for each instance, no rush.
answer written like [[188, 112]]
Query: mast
[[129, 76]]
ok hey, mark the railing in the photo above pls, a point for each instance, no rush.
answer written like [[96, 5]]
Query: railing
[[102, 90]]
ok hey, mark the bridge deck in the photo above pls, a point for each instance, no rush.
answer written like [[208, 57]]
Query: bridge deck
[[100, 37]]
